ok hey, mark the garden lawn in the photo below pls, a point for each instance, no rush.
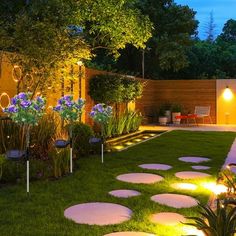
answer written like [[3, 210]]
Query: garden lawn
[[42, 212]]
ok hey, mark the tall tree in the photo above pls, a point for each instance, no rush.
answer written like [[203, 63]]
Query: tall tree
[[210, 29]]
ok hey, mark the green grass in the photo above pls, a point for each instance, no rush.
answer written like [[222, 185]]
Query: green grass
[[42, 212]]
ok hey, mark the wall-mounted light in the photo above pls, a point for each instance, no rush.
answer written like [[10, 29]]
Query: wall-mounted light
[[228, 95]]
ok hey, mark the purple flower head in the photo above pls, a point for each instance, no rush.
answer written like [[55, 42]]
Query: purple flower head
[[39, 100], [25, 104], [60, 101], [68, 98], [12, 109], [14, 101], [36, 107], [57, 108], [92, 113], [69, 104], [22, 96]]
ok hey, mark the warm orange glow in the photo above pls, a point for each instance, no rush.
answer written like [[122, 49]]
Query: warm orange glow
[[16, 73], [228, 95], [1, 98], [128, 143], [79, 63], [118, 147], [215, 188]]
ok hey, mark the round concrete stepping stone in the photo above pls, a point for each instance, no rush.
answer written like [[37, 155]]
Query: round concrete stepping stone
[[175, 200], [155, 166], [194, 159], [140, 178], [124, 193], [184, 186], [191, 175], [129, 233], [201, 167], [167, 218], [98, 213]]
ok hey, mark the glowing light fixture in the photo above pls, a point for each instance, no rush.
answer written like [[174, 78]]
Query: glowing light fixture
[[215, 188], [80, 63], [16, 73], [4, 94], [228, 95], [128, 143], [118, 147]]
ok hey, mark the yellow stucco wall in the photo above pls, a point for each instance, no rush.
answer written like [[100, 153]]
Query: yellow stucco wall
[[226, 109]]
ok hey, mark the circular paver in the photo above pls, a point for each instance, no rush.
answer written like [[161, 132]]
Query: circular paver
[[175, 200], [167, 218], [140, 178], [191, 175], [129, 233], [124, 193], [155, 166], [201, 167], [98, 213], [194, 159], [184, 186]]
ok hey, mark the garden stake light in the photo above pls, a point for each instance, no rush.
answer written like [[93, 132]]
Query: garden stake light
[[26, 112], [70, 111], [101, 114]]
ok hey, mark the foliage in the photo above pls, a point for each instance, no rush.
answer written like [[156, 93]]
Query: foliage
[[124, 123], [219, 223], [101, 113], [2, 161], [60, 161], [176, 107], [24, 110], [69, 109], [81, 135], [110, 89]]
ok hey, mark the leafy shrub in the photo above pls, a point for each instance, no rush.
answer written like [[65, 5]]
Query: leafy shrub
[[110, 89], [81, 135]]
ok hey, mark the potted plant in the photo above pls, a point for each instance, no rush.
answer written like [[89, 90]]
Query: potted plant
[[162, 117], [167, 110], [176, 111]]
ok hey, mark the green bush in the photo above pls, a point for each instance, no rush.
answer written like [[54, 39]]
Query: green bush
[[110, 89], [81, 135]]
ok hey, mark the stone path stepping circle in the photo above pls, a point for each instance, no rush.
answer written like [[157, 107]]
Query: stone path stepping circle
[[98, 213], [140, 178], [201, 167], [175, 200], [168, 218], [129, 233], [191, 175], [155, 166], [124, 193], [194, 159], [184, 186]]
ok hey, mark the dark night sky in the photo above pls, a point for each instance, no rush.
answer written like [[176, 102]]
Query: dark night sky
[[223, 10]]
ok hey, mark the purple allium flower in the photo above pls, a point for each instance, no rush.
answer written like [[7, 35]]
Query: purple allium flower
[[92, 113], [22, 96], [36, 107], [69, 104], [14, 101], [12, 109], [25, 104], [68, 98], [57, 108], [39, 99]]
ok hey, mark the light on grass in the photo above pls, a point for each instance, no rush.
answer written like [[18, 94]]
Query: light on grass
[[215, 188], [145, 137], [228, 95], [118, 147], [138, 140], [190, 230], [185, 186], [128, 143]]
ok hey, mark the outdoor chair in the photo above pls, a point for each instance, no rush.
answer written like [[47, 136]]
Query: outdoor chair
[[203, 112]]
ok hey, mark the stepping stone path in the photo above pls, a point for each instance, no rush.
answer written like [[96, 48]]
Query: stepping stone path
[[167, 218], [194, 159], [175, 200], [191, 175], [140, 178], [184, 186], [155, 166], [98, 213], [124, 193], [201, 167], [129, 233]]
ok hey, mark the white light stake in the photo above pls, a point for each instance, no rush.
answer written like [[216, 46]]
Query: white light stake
[[27, 176], [71, 161], [102, 152]]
